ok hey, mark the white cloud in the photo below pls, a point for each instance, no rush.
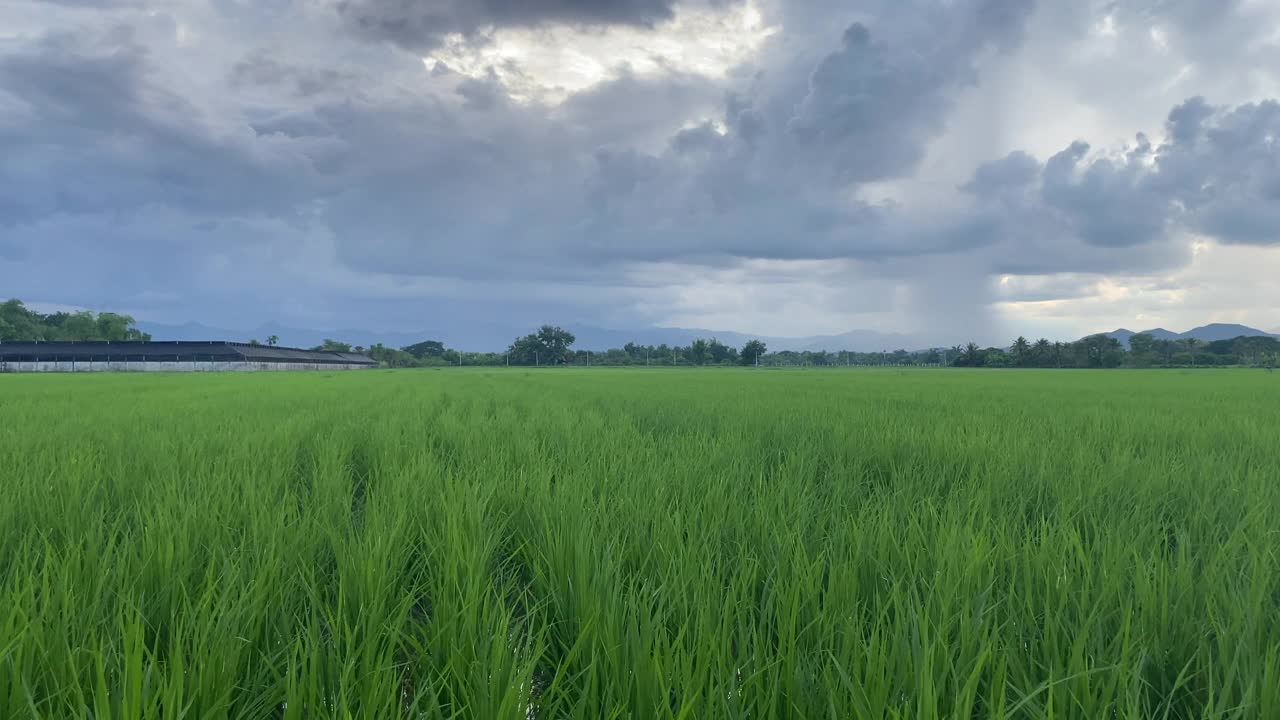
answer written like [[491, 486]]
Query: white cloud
[[547, 64]]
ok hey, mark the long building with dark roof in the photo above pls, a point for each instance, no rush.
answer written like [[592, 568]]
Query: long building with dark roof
[[179, 356]]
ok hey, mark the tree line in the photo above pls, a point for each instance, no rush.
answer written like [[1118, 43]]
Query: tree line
[[551, 345], [1103, 351], [18, 322]]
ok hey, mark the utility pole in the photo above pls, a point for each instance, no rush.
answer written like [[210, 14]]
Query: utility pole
[[536, 363]]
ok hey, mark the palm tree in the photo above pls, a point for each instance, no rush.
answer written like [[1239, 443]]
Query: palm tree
[[1057, 354], [972, 355], [1040, 352], [273, 340], [1020, 349]]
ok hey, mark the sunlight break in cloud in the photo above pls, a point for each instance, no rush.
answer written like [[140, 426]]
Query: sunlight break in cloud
[[548, 64]]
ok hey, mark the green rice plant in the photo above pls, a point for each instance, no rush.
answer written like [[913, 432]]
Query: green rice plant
[[641, 544]]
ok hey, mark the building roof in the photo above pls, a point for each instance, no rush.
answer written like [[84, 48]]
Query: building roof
[[174, 351]]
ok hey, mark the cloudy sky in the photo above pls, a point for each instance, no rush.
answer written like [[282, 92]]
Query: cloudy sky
[[957, 168]]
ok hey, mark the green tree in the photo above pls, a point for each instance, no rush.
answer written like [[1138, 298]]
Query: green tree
[[74, 326], [526, 351], [1042, 352], [425, 349], [550, 345], [971, 356], [751, 352], [273, 340], [1021, 352], [390, 357], [1191, 344], [111, 326], [332, 346], [1253, 350], [996, 358], [556, 340], [1102, 351], [1142, 344], [721, 353], [699, 351], [17, 322]]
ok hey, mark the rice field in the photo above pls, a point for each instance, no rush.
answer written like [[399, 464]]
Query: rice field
[[641, 544]]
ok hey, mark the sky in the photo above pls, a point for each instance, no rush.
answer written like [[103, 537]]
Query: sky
[[956, 169]]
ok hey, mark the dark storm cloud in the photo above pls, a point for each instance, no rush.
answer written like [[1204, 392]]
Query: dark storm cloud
[[491, 187], [261, 69], [1011, 173], [480, 186], [635, 110], [1107, 202], [873, 105], [98, 135], [869, 111], [1217, 173], [553, 192], [422, 24], [777, 183], [1223, 166], [1069, 213]]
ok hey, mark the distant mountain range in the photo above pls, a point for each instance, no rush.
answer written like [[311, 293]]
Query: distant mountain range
[[1207, 333]]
